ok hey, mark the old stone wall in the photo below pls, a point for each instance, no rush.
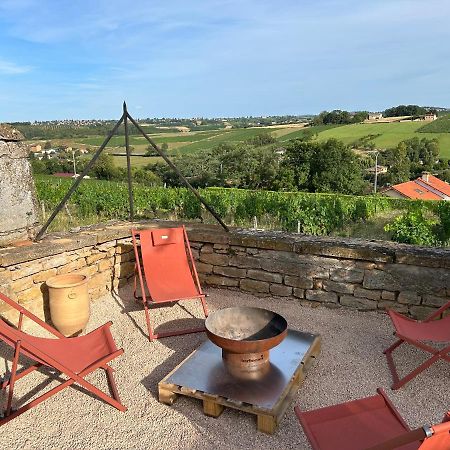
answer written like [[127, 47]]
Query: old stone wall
[[17, 193], [311, 270]]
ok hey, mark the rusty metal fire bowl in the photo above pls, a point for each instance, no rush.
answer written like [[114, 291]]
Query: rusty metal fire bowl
[[245, 336]]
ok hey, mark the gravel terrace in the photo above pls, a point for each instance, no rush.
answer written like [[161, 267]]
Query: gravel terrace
[[350, 366]]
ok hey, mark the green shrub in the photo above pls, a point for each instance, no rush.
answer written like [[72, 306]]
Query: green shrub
[[414, 228]]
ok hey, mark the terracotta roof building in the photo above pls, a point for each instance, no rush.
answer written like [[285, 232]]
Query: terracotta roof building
[[427, 187]]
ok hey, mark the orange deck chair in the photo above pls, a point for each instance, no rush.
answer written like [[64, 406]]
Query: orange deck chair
[[415, 332], [371, 423], [168, 272], [73, 357]]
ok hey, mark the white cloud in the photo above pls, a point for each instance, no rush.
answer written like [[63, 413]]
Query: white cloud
[[11, 68]]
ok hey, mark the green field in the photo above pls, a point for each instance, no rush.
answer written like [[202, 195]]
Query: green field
[[384, 135], [390, 134]]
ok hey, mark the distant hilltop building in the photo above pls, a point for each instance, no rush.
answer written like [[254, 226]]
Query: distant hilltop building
[[429, 117], [374, 116], [427, 187]]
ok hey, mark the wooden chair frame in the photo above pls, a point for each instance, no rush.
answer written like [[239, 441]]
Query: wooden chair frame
[[24, 346], [148, 301]]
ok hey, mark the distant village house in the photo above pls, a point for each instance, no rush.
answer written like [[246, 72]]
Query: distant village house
[[427, 187], [374, 116]]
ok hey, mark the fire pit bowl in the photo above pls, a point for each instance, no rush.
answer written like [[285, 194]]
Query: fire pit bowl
[[245, 336]]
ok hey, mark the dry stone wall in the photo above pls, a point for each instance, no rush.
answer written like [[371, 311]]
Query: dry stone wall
[[311, 270]]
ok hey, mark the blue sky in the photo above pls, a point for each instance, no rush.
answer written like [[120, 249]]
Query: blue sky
[[174, 58]]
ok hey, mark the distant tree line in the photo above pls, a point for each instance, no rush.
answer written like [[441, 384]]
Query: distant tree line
[[407, 110], [339, 117]]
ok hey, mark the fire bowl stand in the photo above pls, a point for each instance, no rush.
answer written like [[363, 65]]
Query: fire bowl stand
[[203, 375]]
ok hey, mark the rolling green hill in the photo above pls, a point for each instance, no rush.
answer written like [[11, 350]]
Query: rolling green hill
[[387, 134], [441, 125]]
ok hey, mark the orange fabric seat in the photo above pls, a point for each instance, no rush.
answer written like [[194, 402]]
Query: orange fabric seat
[[371, 423], [415, 332], [74, 357], [166, 269]]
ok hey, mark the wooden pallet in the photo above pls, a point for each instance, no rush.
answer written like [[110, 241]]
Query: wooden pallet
[[213, 405]]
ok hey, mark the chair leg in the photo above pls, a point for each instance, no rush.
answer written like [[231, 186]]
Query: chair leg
[[151, 335], [12, 379], [399, 382], [205, 306], [112, 383]]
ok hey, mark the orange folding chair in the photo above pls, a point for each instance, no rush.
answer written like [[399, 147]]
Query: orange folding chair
[[414, 332], [74, 357], [371, 423], [168, 273]]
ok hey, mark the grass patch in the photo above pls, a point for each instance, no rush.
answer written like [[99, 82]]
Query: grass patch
[[441, 125]]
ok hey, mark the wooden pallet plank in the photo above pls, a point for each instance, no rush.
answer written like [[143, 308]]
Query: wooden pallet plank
[[212, 408], [167, 396], [267, 419]]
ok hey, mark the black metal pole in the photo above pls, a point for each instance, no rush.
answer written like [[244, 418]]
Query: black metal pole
[[78, 180], [172, 165], [127, 146]]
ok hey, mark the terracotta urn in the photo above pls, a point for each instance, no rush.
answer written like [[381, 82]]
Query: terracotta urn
[[69, 303]]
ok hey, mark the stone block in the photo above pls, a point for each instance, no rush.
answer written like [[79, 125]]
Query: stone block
[[104, 264], [298, 282], [264, 276], [387, 295], [233, 272], [367, 293], [34, 293], [221, 248], [215, 259], [88, 270], [26, 269], [254, 286], [379, 279], [358, 302], [387, 304], [217, 280], [409, 297], [104, 246], [245, 262], [318, 284], [204, 268], [236, 250], [347, 275], [124, 269], [22, 283], [299, 293], [433, 300], [403, 277], [72, 266], [321, 296], [57, 261], [44, 275], [421, 312], [341, 288], [207, 248], [91, 259], [280, 290]]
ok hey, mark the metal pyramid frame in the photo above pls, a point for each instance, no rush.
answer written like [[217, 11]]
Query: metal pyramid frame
[[124, 119]]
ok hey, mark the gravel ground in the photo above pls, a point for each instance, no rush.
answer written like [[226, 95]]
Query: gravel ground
[[350, 366]]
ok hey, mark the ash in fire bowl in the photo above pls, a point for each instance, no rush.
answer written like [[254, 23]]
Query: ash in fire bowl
[[246, 335]]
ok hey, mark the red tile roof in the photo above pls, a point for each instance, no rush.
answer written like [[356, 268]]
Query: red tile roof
[[411, 189], [427, 187], [437, 184]]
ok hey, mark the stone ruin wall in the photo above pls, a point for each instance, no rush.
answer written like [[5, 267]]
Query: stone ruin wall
[[17, 193], [310, 270]]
